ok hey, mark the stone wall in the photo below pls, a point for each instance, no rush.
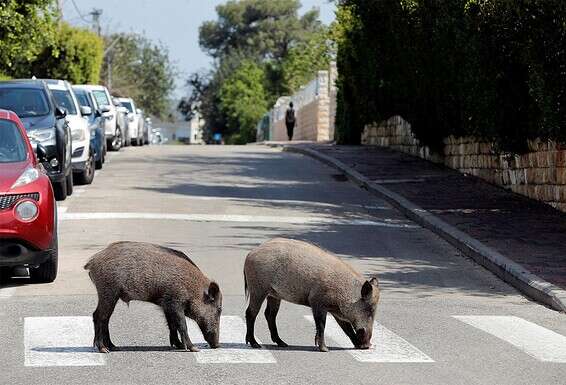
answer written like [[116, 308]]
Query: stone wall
[[315, 109], [539, 174]]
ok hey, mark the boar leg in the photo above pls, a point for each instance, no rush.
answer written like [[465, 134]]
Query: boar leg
[[101, 318], [251, 314], [176, 315], [173, 333], [349, 330], [271, 311], [319, 316]]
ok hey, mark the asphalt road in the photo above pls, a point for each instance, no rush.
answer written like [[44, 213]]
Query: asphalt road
[[442, 319]]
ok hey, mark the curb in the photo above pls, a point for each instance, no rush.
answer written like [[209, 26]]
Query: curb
[[509, 271]]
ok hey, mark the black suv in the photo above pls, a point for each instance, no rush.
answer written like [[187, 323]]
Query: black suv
[[45, 124]]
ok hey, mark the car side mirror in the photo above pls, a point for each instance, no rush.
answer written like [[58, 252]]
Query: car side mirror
[[139, 111], [116, 103], [60, 113], [41, 152], [105, 108], [86, 110]]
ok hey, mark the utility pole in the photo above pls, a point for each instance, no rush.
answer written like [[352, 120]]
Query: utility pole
[[96, 13], [60, 10]]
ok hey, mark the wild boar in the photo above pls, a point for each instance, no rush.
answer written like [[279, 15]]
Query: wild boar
[[166, 277], [304, 274]]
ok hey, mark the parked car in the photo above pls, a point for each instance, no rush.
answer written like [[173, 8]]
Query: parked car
[[95, 121], [45, 124], [112, 129], [135, 121], [83, 155], [122, 121], [28, 213]]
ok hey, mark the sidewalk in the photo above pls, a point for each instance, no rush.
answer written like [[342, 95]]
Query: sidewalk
[[521, 240]]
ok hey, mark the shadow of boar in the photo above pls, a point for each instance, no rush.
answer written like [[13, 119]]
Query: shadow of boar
[[165, 277], [304, 274]]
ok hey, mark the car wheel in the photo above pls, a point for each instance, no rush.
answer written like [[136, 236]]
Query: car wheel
[[47, 271], [60, 190], [141, 142], [117, 141], [87, 175], [70, 184]]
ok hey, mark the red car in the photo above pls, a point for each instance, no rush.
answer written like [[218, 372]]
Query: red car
[[28, 213]]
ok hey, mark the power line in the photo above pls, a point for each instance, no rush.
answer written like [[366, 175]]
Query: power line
[[79, 12]]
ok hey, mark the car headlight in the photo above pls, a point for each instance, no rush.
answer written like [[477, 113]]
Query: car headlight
[[26, 210], [42, 135], [78, 135], [29, 175]]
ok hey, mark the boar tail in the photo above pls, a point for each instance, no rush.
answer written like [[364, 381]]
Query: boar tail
[[246, 292]]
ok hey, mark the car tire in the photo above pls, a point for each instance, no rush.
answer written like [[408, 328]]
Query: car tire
[[60, 190], [87, 175], [70, 184], [47, 271], [100, 162], [141, 142], [116, 143]]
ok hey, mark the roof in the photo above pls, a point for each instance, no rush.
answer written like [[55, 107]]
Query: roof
[[92, 87], [25, 83], [9, 115]]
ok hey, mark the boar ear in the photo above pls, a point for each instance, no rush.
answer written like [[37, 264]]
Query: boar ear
[[213, 290], [367, 290], [374, 281]]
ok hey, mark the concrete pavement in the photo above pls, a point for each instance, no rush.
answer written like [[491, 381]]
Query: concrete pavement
[[436, 318]]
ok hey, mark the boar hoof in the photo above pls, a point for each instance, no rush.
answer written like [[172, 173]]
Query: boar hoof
[[194, 349], [323, 348], [103, 349], [281, 344]]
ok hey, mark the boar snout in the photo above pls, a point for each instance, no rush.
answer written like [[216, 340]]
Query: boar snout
[[364, 338]]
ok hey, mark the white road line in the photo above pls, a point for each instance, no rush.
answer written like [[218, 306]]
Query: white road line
[[7, 292], [78, 191], [386, 345], [60, 341], [537, 341], [62, 209], [233, 348], [238, 218]]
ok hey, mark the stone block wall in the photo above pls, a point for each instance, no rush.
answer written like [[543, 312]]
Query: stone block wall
[[315, 111], [539, 174]]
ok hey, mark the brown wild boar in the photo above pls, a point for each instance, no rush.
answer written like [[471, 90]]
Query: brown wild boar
[[302, 273], [166, 277]]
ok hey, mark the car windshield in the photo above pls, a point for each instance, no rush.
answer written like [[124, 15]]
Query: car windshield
[[25, 102], [65, 100], [12, 145], [101, 98], [82, 98], [128, 105]]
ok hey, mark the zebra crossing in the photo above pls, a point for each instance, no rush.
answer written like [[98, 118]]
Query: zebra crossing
[[67, 341]]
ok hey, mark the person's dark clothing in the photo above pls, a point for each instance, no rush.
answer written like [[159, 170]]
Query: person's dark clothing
[[290, 122]]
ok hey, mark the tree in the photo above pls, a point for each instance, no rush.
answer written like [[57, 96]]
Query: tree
[[243, 101], [75, 55], [141, 70], [269, 34], [26, 28]]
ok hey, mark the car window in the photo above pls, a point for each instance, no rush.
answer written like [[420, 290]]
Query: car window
[[101, 98], [128, 105], [12, 144], [82, 98], [65, 100], [25, 102]]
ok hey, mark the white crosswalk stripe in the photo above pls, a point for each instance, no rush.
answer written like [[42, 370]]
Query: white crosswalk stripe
[[387, 346], [60, 341], [233, 348], [535, 340]]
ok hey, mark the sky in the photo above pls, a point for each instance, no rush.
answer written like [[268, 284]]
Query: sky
[[173, 22]]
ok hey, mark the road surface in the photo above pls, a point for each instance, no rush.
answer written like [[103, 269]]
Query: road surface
[[442, 318]]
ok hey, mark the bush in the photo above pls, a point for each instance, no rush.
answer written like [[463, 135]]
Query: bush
[[490, 68], [76, 55]]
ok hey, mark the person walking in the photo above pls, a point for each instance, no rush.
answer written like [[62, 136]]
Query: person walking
[[290, 121]]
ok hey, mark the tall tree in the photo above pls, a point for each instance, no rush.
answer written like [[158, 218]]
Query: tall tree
[[140, 69]]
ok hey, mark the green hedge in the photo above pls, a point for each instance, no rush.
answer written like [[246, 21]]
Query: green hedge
[[491, 68], [75, 55]]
